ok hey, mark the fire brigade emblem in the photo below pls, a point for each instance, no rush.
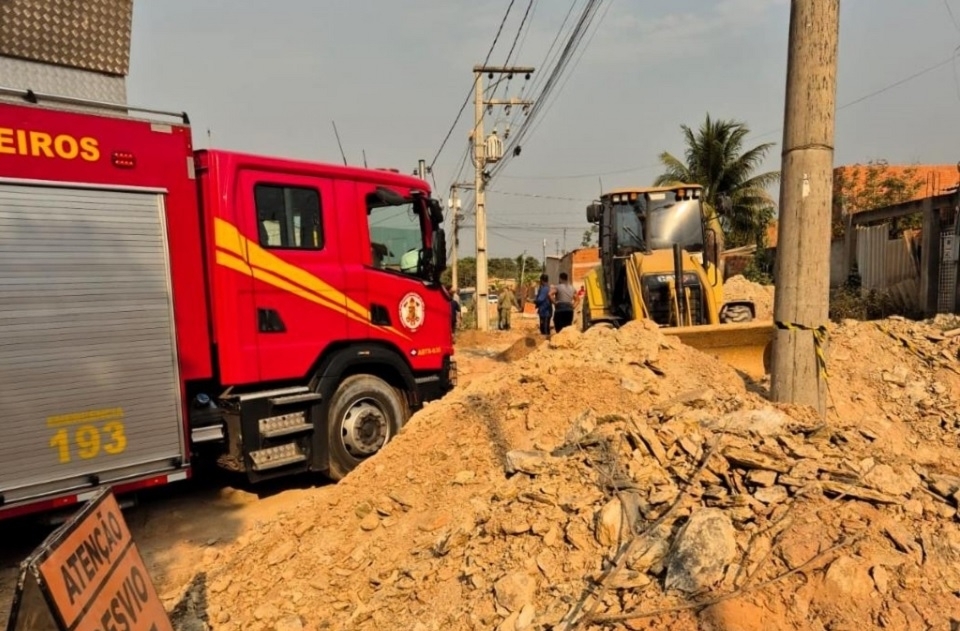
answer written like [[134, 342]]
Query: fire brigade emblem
[[412, 312]]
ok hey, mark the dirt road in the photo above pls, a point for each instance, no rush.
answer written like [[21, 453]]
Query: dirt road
[[182, 527]]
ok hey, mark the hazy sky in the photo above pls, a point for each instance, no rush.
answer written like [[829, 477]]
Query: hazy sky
[[269, 77]]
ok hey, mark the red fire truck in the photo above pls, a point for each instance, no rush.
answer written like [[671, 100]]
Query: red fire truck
[[160, 304]]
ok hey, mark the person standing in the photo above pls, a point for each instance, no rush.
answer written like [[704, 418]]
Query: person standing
[[544, 304], [505, 307], [566, 302], [454, 309]]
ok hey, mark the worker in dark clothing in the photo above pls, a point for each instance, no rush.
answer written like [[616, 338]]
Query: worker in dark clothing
[[565, 300], [544, 304]]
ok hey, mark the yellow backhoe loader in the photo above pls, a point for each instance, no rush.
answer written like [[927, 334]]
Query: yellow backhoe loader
[[659, 259]]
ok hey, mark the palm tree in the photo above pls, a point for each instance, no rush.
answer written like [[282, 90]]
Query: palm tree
[[715, 159]]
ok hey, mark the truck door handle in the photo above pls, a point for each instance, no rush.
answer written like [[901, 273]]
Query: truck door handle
[[379, 315], [269, 321]]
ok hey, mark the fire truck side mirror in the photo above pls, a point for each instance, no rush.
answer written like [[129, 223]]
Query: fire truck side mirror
[[440, 251], [436, 212]]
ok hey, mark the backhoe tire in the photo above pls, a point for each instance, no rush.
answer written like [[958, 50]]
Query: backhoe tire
[[365, 414], [736, 313]]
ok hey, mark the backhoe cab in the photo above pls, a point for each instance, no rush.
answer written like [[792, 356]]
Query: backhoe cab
[[659, 260]]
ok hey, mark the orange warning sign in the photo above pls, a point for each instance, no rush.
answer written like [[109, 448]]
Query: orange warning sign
[[93, 575]]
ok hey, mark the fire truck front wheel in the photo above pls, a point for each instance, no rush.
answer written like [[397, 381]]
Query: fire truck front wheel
[[365, 414]]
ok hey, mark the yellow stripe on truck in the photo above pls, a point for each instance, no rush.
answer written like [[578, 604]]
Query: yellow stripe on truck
[[236, 252]]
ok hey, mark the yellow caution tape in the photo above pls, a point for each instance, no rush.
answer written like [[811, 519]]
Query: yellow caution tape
[[819, 341]]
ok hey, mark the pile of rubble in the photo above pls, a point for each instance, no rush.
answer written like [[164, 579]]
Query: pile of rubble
[[617, 479], [739, 288]]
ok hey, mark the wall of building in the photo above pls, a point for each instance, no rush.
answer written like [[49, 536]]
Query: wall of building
[[74, 48]]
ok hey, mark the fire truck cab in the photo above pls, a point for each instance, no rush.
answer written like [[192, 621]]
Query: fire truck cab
[[160, 304]]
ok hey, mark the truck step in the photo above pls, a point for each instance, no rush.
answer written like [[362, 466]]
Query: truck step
[[210, 433], [284, 425], [293, 399], [276, 457]]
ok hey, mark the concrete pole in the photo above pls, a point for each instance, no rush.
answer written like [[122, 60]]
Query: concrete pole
[[455, 214], [479, 155], [806, 193]]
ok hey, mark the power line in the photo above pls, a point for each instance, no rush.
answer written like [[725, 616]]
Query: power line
[[548, 60], [569, 49], [582, 175], [886, 88], [536, 196], [952, 17], [516, 37], [513, 46], [530, 227], [856, 101], [576, 64], [466, 100]]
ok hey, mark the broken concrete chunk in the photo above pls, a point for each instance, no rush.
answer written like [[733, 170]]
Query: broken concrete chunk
[[764, 422], [650, 558], [515, 591], [944, 485], [629, 579], [747, 459], [848, 577], [902, 539], [759, 477], [649, 438], [886, 479], [609, 523], [704, 547], [771, 495], [881, 578], [857, 492], [531, 462]]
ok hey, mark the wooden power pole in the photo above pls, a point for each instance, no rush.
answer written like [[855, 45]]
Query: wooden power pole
[[801, 305]]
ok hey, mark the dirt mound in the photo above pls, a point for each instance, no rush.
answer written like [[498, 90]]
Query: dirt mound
[[521, 348], [739, 288], [617, 479]]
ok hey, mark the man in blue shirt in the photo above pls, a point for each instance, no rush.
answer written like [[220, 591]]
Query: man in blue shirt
[[544, 304]]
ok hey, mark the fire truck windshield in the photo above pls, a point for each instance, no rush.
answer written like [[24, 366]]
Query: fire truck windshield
[[396, 237]]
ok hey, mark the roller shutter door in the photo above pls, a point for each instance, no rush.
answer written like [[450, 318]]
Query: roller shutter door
[[88, 368]]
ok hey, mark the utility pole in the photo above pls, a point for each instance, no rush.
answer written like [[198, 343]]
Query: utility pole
[[801, 304], [481, 157], [454, 205], [544, 255], [521, 286]]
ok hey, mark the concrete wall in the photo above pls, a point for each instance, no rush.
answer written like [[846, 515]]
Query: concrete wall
[[553, 268], [578, 263], [838, 263]]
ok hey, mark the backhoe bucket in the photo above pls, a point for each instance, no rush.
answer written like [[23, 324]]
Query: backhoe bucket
[[744, 346]]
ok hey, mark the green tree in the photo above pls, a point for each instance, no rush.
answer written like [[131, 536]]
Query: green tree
[[734, 194], [466, 273], [873, 185], [589, 239], [501, 268]]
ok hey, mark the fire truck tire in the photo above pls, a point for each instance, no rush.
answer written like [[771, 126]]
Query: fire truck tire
[[365, 414]]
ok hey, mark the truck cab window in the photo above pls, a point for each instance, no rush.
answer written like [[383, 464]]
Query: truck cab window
[[395, 237], [288, 217]]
